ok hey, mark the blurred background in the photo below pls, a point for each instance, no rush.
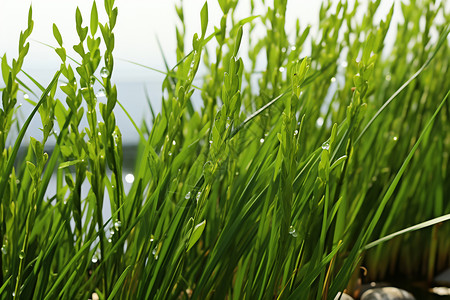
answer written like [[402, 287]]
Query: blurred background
[[140, 25]]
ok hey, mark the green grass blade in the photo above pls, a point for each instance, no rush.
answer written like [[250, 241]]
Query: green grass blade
[[19, 139]]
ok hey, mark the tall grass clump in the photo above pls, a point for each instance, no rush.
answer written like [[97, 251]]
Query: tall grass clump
[[315, 151]]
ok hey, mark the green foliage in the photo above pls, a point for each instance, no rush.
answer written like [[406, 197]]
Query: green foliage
[[280, 185]]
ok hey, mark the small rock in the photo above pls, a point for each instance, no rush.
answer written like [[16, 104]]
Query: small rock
[[441, 291], [387, 293], [443, 278], [344, 296]]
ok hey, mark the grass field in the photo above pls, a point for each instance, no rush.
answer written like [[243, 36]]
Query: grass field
[[299, 167]]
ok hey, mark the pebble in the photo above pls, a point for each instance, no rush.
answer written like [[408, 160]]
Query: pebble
[[443, 278], [343, 297], [387, 293]]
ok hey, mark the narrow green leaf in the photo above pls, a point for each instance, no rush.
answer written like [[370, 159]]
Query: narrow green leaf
[[409, 229], [204, 18], [119, 283], [57, 35], [198, 230], [94, 19]]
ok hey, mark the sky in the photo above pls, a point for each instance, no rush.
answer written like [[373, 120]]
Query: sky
[[139, 23]]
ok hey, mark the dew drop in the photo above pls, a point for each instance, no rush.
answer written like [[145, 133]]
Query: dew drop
[[170, 153], [281, 69], [92, 80], [21, 254], [388, 77], [188, 195], [155, 253], [94, 259], [26, 97], [283, 49], [293, 48], [151, 238], [344, 64], [100, 93], [333, 79], [198, 196], [326, 146], [295, 132], [104, 72], [319, 121], [261, 141], [211, 142], [4, 251], [395, 138], [174, 143], [13, 294], [117, 225], [109, 240], [292, 231], [129, 178]]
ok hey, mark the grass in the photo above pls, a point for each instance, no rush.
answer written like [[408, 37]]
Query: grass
[[299, 167]]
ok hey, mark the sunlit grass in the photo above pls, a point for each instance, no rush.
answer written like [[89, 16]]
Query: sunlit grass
[[285, 181]]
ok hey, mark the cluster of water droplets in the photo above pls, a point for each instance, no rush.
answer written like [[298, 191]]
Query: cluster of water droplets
[[155, 252], [117, 225], [292, 231], [111, 235]]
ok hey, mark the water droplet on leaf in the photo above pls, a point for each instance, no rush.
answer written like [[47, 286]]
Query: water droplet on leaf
[[104, 72], [117, 225], [320, 121], [100, 93], [326, 146], [129, 178], [292, 231], [21, 254]]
